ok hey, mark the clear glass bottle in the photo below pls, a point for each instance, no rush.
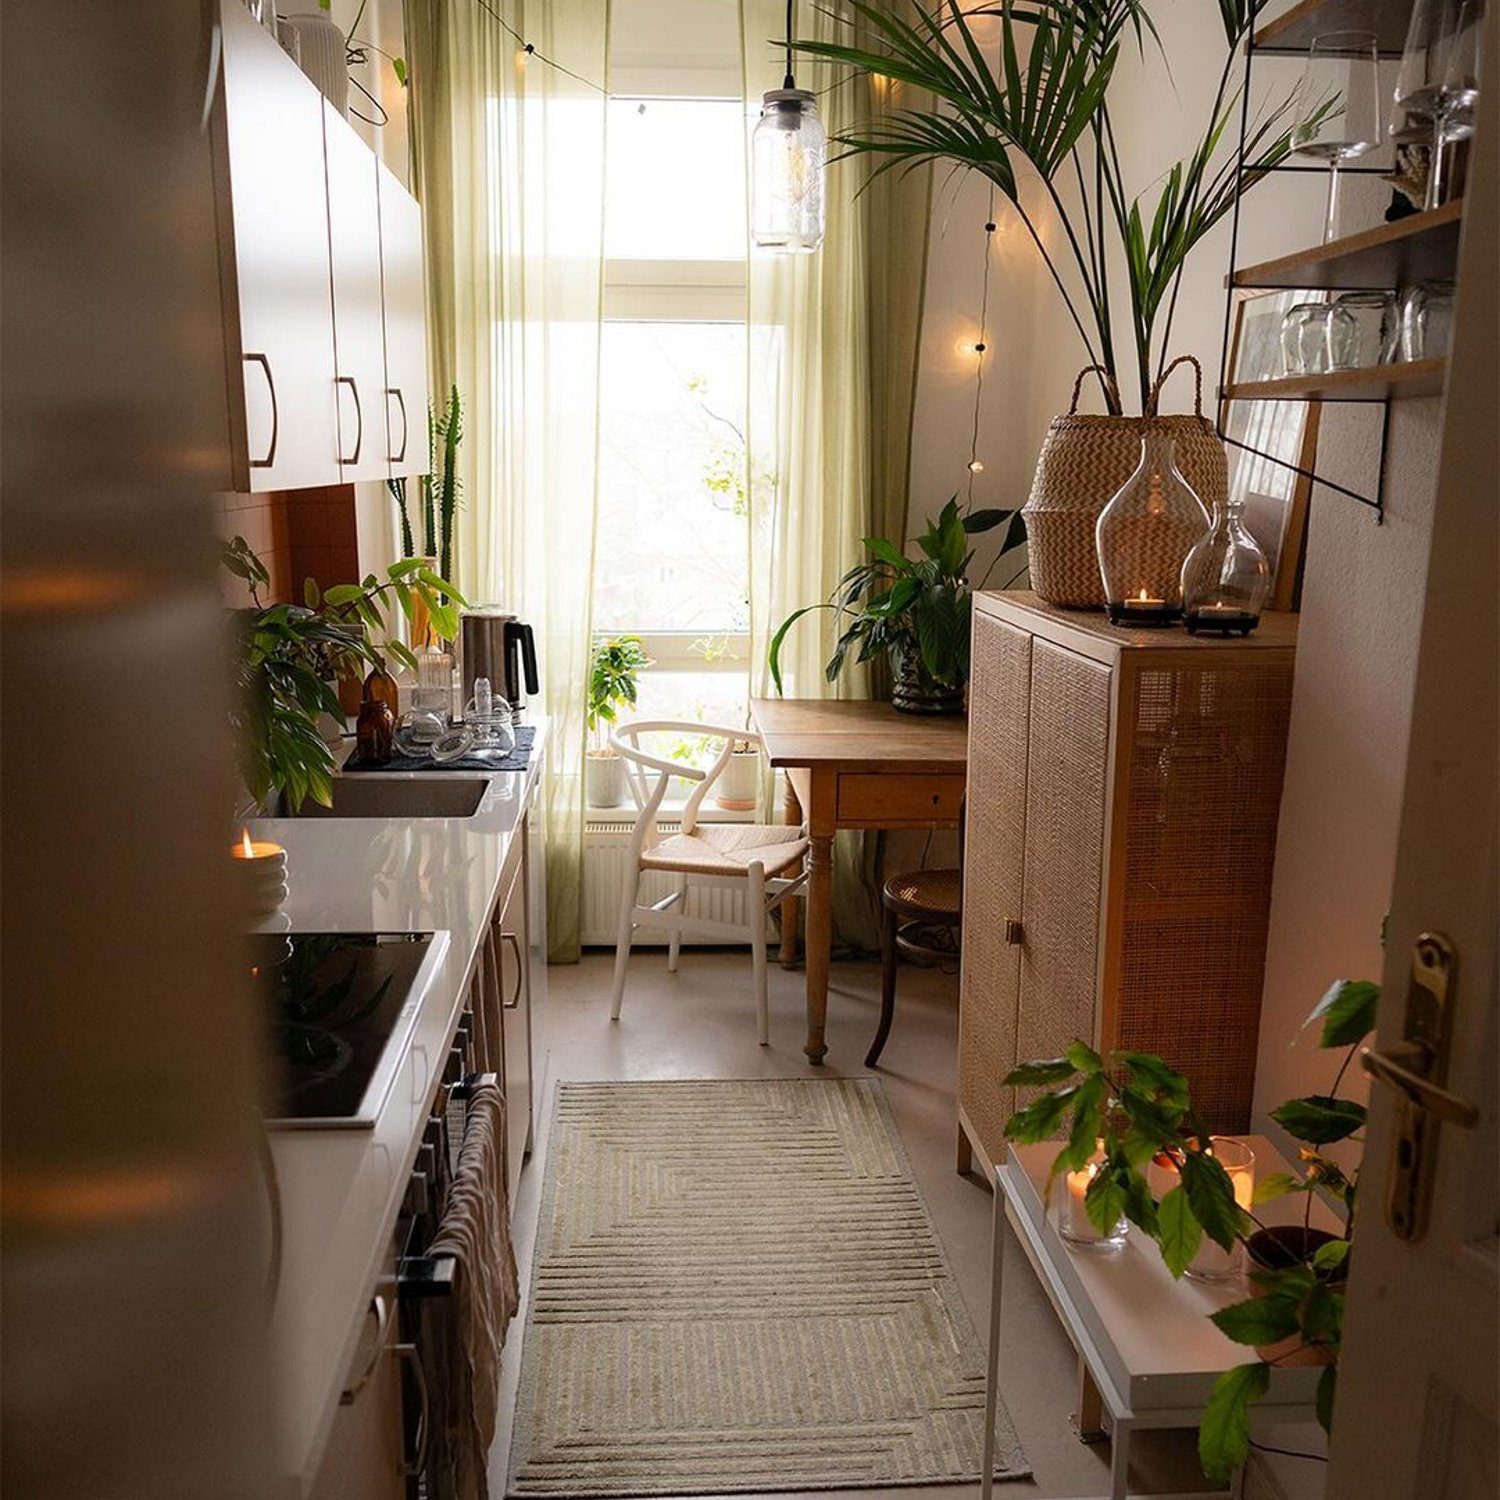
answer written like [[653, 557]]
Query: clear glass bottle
[[1143, 535], [787, 154], [1225, 578]]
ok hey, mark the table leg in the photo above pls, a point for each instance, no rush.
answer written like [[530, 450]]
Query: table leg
[[791, 908], [1119, 1460], [1088, 1407], [819, 941], [992, 1367]]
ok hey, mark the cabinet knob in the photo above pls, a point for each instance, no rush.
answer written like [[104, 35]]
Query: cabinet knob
[[1013, 932]]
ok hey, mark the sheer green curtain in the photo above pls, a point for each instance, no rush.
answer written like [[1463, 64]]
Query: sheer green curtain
[[509, 159], [833, 360]]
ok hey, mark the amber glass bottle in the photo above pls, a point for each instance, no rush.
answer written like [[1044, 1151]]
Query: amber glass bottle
[[373, 731], [380, 687]]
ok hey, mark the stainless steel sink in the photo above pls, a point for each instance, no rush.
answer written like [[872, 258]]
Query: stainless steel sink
[[390, 797]]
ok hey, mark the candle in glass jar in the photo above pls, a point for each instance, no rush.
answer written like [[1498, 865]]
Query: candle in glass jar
[[1078, 1214], [1213, 1262]]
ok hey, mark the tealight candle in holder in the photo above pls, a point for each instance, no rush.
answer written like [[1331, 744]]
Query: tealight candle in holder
[[1213, 1262], [260, 874], [1070, 1215]]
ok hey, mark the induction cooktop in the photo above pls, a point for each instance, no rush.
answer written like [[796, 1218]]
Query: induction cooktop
[[340, 1007]]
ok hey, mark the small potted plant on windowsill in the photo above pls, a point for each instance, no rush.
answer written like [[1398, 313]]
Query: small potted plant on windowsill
[[914, 609], [613, 682], [1130, 1116]]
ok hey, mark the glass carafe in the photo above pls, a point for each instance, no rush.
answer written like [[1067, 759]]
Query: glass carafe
[[1226, 578]]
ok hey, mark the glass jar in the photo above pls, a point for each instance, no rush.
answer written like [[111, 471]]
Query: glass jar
[[1308, 331], [1367, 336], [1068, 1212], [787, 153], [1213, 1262], [1427, 320], [374, 732], [380, 687], [1226, 578], [1145, 532]]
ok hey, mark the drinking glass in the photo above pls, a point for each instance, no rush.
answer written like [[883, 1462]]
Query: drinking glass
[[1369, 333], [1439, 76], [1340, 105], [1427, 320]]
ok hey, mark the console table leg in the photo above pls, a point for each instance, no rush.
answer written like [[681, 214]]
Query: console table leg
[[1119, 1460], [992, 1368], [1088, 1407]]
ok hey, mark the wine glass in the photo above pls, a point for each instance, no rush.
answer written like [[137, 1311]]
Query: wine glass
[[1439, 76], [1340, 104]]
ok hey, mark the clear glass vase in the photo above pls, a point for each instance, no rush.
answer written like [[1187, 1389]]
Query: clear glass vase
[[1144, 534], [1213, 1263], [1069, 1213], [1225, 578]]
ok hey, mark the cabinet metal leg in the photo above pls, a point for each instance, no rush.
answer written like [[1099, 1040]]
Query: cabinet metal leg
[[992, 1367]]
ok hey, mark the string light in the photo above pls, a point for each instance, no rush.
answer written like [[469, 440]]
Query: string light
[[526, 51], [976, 465]]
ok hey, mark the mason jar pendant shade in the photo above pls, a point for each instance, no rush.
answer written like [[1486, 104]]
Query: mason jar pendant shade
[[788, 152], [1226, 578], [1144, 534]]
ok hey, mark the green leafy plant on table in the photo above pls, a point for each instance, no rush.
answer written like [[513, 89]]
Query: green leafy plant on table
[[289, 658], [437, 490], [1039, 103], [1125, 1111], [915, 609]]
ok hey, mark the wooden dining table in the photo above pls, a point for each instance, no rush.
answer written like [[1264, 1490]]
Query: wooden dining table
[[854, 765]]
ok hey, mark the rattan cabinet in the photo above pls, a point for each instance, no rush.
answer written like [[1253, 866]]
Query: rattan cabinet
[[1123, 794]]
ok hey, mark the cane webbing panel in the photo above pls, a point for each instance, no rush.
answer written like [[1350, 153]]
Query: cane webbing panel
[[1204, 792], [1065, 798], [993, 857]]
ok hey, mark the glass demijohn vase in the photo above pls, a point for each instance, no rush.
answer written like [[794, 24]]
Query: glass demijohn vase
[[1144, 533], [1226, 578]]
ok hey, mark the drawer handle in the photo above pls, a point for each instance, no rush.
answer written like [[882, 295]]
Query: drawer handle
[[395, 390], [265, 364], [1014, 933], [412, 1468], [359, 418], [378, 1307], [515, 943]]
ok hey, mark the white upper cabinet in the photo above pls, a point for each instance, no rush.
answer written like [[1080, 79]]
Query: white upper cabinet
[[321, 252], [358, 319], [278, 283], [406, 393]]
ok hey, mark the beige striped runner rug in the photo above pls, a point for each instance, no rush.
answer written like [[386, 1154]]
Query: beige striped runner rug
[[737, 1288]]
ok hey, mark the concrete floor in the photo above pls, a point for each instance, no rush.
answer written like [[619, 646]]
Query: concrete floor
[[700, 1023]]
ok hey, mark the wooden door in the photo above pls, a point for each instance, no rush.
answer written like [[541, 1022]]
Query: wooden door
[[1066, 781], [993, 859], [280, 304], [405, 298], [515, 1013], [358, 317], [1417, 1410]]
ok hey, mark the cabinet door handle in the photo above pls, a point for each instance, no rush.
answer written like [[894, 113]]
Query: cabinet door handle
[[1014, 932], [515, 943], [378, 1307], [418, 1460], [397, 458], [265, 364], [359, 418]]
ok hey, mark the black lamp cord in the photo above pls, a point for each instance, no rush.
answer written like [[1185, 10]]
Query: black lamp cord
[[789, 82]]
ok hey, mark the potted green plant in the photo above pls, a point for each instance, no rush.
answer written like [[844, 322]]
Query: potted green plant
[[913, 609], [437, 495], [1124, 1113], [614, 672], [289, 658]]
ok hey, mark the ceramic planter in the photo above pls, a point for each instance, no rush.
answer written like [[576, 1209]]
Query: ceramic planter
[[1277, 1249], [735, 790], [914, 692], [606, 783]]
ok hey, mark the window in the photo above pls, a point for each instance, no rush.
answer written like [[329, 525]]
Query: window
[[672, 544]]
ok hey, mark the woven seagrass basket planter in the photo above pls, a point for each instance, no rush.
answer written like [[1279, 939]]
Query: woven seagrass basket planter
[[1084, 461]]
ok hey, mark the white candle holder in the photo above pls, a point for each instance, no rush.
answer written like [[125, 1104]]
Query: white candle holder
[[260, 874], [1069, 1213]]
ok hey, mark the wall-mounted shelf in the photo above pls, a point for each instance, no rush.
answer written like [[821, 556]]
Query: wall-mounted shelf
[[1294, 31], [1419, 377], [1420, 247]]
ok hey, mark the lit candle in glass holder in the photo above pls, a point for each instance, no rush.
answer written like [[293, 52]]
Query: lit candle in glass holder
[[1213, 1262], [1070, 1214]]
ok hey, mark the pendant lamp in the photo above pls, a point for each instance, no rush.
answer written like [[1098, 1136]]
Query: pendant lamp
[[787, 154]]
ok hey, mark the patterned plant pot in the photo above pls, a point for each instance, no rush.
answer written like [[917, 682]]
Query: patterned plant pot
[[914, 692]]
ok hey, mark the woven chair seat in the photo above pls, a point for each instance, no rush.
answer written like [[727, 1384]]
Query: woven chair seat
[[926, 895], [728, 849]]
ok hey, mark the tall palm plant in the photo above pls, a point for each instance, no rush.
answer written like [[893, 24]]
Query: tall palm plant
[[1042, 102]]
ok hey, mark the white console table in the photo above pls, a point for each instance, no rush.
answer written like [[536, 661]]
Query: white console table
[[1144, 1339]]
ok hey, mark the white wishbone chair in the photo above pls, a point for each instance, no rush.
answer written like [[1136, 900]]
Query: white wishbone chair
[[766, 859]]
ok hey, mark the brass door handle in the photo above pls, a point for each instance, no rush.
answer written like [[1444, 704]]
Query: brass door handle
[[1390, 1069]]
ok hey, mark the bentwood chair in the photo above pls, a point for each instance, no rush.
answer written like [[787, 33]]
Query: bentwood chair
[[765, 860]]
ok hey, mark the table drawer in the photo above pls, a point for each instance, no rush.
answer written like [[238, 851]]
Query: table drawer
[[876, 799]]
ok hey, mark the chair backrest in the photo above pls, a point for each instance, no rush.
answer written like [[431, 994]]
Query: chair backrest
[[638, 763]]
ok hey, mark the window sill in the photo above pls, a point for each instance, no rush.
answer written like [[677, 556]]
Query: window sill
[[669, 812]]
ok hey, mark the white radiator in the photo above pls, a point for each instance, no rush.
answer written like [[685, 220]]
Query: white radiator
[[605, 846]]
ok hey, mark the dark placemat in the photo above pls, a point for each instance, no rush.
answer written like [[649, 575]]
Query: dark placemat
[[518, 759]]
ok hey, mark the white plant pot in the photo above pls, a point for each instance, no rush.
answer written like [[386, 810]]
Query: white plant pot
[[321, 55], [605, 780], [735, 790]]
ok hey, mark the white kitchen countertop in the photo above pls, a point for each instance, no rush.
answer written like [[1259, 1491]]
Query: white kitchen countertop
[[341, 1189]]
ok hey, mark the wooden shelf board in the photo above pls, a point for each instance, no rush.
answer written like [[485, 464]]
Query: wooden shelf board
[[1294, 31], [1422, 377], [1420, 247]]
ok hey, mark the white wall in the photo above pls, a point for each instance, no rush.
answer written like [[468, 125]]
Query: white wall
[[1363, 584]]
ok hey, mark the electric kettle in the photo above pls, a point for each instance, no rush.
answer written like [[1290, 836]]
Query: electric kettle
[[493, 643]]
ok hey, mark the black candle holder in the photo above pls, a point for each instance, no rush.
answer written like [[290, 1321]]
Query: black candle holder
[[1221, 621], [1134, 613]]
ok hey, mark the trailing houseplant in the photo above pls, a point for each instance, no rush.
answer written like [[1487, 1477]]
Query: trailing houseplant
[[614, 680], [915, 609], [289, 658], [1124, 1112]]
